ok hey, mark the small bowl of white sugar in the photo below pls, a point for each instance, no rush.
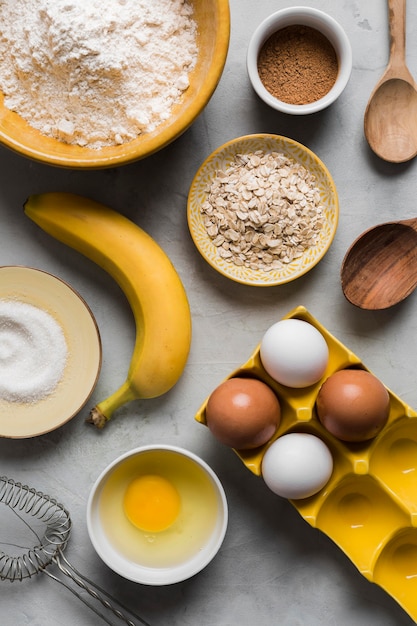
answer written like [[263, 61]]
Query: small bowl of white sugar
[[50, 352], [87, 88]]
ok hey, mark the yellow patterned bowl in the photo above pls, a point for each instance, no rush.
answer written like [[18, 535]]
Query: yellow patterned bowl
[[205, 238], [213, 33]]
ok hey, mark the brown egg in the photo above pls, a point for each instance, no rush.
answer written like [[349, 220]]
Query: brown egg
[[243, 413], [353, 405]]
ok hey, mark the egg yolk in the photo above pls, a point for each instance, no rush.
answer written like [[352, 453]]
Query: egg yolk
[[151, 503]]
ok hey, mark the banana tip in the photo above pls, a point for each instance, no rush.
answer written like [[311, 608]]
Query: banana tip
[[96, 418]]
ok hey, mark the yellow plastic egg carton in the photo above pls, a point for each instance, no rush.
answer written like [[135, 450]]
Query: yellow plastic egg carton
[[369, 506]]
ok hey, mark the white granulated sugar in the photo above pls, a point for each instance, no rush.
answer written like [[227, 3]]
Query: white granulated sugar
[[95, 72], [33, 352]]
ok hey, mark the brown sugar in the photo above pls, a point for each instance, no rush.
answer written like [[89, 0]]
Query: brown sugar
[[298, 64]]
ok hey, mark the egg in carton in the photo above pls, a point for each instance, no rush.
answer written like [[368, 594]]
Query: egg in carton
[[369, 505]]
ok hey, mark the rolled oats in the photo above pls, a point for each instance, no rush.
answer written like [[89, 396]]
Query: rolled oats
[[263, 211]]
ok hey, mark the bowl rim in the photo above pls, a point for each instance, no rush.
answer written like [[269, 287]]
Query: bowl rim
[[307, 16], [162, 575], [241, 140], [138, 148]]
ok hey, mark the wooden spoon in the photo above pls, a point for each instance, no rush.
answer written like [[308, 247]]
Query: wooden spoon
[[380, 267], [391, 114]]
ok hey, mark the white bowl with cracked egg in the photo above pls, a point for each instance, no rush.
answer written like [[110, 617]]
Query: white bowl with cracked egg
[[135, 548]]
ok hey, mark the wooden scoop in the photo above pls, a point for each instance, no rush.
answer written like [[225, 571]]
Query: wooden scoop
[[391, 114], [380, 267]]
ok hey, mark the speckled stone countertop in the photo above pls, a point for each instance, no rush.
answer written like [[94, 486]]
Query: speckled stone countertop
[[273, 568]]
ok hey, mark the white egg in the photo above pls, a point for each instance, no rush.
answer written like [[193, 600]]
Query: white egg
[[294, 353], [297, 465]]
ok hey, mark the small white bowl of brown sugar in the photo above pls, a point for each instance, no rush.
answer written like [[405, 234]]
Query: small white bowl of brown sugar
[[299, 60]]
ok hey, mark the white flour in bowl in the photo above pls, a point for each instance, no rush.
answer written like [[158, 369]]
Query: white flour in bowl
[[95, 72]]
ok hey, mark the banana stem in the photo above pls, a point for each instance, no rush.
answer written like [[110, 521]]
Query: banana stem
[[103, 411]]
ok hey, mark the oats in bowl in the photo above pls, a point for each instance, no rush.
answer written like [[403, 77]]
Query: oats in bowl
[[263, 210]]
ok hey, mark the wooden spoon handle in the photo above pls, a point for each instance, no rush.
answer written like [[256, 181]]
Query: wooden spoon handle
[[397, 10]]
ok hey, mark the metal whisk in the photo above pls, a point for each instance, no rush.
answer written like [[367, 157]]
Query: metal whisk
[[25, 501]]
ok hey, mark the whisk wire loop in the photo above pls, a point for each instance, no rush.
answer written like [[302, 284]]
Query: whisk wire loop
[[24, 500]]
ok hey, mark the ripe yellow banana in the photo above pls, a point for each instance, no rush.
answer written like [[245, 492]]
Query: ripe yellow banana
[[148, 279]]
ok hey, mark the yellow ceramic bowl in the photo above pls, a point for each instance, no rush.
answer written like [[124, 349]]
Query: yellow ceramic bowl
[[369, 506], [213, 20], [52, 295], [220, 159]]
